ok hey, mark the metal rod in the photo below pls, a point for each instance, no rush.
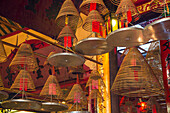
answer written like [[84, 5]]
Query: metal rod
[[54, 42], [11, 45]]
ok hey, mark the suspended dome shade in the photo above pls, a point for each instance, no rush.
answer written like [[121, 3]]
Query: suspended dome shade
[[67, 36], [52, 87], [100, 6], [66, 59], [92, 18], [23, 81], [158, 30], [3, 56], [95, 79], [3, 95], [69, 13], [24, 58], [159, 6], [46, 61], [135, 78], [77, 70], [76, 94], [127, 37], [127, 8], [20, 104], [52, 106]]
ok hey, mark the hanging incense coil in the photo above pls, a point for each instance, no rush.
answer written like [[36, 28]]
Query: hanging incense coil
[[76, 94], [154, 60], [95, 76], [65, 32], [93, 45], [23, 81], [69, 10], [3, 56], [94, 94], [159, 6], [24, 58], [52, 87], [93, 16], [100, 6], [46, 61], [124, 7], [115, 2], [135, 78]]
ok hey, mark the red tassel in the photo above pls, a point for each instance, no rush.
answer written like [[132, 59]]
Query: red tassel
[[101, 30], [92, 6], [121, 101], [52, 89], [129, 16], [109, 25], [77, 79], [95, 84], [122, 23], [95, 26], [154, 109], [23, 83], [77, 97], [67, 41]]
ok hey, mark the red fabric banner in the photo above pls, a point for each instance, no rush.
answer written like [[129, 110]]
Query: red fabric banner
[[52, 89], [92, 6], [96, 26], [122, 23], [165, 59], [129, 16], [23, 84], [95, 84], [101, 30], [67, 41], [133, 63], [154, 109], [77, 96], [109, 25]]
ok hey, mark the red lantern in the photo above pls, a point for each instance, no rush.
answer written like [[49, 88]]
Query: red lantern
[[143, 106]]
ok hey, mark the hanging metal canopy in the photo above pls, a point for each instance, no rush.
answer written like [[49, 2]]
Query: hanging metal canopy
[[127, 37], [92, 46], [52, 106], [158, 30], [66, 59], [21, 104]]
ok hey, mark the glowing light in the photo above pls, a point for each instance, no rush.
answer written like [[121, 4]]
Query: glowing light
[[114, 22]]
